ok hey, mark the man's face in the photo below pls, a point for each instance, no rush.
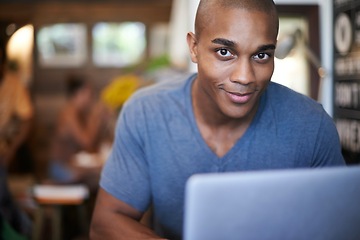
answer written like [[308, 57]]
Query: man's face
[[235, 58]]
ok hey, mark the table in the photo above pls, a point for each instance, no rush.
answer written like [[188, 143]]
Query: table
[[54, 197]]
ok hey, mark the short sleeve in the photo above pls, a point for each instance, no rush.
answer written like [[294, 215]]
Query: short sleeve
[[327, 150], [125, 174]]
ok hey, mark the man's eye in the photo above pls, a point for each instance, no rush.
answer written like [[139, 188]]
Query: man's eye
[[262, 56], [224, 52]]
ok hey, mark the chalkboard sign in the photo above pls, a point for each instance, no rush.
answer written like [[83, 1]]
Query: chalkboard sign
[[347, 76]]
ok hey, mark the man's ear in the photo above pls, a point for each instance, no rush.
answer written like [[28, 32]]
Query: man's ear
[[192, 43]]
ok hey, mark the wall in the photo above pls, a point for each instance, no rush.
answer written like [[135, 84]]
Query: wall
[[347, 77], [326, 19]]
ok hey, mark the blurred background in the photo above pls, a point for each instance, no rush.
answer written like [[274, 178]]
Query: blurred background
[[51, 40]]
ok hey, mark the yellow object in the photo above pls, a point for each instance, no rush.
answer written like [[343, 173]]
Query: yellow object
[[119, 90]]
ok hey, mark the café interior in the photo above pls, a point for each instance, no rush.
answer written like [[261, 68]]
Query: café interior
[[118, 47]]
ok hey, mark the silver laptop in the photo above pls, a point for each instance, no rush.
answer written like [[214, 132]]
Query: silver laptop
[[305, 204]]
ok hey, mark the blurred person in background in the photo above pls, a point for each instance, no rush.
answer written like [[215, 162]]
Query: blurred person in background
[[16, 113], [78, 128]]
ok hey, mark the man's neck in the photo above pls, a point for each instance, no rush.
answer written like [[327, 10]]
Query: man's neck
[[220, 132]]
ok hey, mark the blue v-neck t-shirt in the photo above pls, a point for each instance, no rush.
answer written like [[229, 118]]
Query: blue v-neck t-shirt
[[158, 146]]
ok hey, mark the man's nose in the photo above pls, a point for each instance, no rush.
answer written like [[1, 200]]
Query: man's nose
[[243, 72]]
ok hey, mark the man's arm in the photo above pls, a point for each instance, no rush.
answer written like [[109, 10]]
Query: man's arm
[[114, 219]]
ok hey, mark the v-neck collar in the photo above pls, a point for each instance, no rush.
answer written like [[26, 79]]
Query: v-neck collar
[[195, 129]]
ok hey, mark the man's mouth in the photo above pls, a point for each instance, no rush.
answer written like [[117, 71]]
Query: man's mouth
[[239, 98]]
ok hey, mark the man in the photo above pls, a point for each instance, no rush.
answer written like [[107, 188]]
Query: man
[[226, 118]]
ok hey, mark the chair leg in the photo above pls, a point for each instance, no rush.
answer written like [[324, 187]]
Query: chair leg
[[82, 214], [56, 223]]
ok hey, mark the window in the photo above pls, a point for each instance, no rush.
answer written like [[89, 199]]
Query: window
[[62, 45], [118, 44]]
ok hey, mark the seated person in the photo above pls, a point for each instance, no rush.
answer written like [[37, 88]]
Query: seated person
[[77, 129]]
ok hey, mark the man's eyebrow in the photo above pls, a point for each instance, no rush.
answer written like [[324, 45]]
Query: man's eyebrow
[[223, 41], [229, 43], [266, 47]]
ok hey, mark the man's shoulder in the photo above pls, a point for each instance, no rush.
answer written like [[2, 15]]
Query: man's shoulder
[[161, 90], [293, 109], [284, 98]]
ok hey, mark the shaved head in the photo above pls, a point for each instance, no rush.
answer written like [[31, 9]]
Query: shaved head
[[206, 8]]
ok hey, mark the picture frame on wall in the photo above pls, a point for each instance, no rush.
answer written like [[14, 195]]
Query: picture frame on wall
[[62, 45]]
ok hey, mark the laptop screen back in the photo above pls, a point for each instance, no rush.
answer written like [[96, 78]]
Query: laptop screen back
[[321, 204]]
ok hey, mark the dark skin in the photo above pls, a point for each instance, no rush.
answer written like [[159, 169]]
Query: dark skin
[[235, 62], [239, 65]]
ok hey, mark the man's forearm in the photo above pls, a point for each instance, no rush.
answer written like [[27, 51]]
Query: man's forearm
[[107, 225], [114, 219]]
